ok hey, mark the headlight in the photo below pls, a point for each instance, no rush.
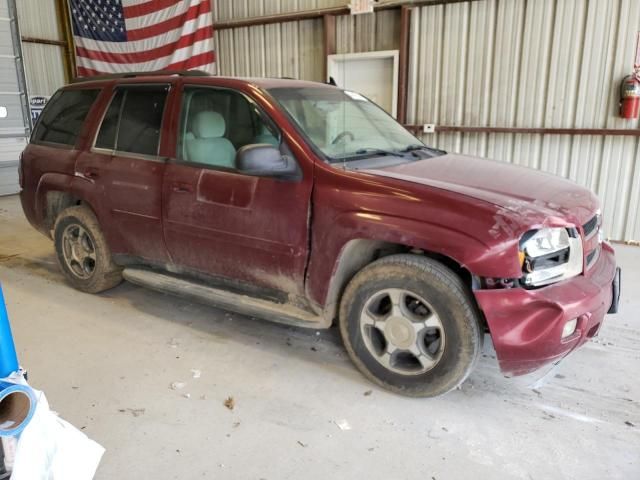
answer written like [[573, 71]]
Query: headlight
[[549, 255]]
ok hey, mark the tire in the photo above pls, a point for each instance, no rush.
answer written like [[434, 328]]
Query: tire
[[420, 311], [82, 251]]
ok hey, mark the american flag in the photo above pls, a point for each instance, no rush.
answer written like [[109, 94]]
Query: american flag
[[115, 36]]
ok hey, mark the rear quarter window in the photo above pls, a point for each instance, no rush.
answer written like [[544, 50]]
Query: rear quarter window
[[61, 121]]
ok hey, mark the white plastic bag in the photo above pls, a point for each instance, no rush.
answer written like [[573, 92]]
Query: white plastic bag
[[50, 448]]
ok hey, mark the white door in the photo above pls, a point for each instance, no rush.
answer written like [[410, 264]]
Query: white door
[[373, 74]]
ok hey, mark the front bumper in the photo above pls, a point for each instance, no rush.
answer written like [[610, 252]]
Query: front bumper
[[526, 325]]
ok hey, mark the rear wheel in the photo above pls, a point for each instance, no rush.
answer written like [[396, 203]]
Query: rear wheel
[[82, 251], [410, 325]]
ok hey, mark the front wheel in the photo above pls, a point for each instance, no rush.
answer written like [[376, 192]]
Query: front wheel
[[410, 325]]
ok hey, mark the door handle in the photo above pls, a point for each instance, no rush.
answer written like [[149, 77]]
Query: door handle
[[182, 188], [92, 173]]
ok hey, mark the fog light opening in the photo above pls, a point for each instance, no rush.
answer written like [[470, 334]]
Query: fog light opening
[[569, 328]]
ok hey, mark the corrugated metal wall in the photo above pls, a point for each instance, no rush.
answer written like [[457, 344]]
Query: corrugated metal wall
[[500, 63], [536, 63], [296, 46], [294, 49], [44, 64], [368, 33], [224, 10], [291, 49]]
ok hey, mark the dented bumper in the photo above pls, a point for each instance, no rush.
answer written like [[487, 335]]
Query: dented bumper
[[526, 326]]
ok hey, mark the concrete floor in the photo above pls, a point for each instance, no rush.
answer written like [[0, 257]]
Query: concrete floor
[[107, 362]]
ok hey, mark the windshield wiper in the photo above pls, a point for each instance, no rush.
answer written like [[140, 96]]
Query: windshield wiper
[[416, 146], [378, 151]]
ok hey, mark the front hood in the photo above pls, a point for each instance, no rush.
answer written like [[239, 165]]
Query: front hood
[[537, 198]]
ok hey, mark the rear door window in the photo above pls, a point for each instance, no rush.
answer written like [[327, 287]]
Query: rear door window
[[62, 120], [109, 129], [133, 121]]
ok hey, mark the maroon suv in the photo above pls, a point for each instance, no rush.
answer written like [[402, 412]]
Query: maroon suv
[[306, 204]]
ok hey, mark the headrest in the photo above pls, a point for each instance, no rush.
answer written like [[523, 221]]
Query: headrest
[[208, 125], [264, 130]]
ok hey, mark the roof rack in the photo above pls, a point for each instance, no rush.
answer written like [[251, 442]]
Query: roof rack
[[157, 73]]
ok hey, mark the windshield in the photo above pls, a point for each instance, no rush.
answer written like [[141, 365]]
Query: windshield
[[344, 124]]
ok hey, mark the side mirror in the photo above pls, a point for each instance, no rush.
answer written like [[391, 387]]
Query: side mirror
[[265, 160]]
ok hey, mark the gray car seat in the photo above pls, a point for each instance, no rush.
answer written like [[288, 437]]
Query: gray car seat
[[206, 143], [265, 136]]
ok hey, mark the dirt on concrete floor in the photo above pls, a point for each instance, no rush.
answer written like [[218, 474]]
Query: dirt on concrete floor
[[150, 377]]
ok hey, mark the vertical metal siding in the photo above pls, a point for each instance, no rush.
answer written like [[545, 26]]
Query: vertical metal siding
[[14, 128], [44, 64], [227, 10], [562, 96], [510, 63], [506, 80], [294, 49], [38, 19], [425, 66], [533, 80], [619, 159], [368, 32], [480, 55], [291, 49], [44, 68], [535, 63], [387, 34], [451, 98]]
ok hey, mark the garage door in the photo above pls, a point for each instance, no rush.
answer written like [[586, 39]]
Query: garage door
[[14, 116]]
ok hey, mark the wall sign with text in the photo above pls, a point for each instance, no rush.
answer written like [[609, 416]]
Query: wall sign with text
[[36, 105]]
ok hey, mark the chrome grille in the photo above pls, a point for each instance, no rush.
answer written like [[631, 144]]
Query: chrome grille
[[591, 227], [592, 257]]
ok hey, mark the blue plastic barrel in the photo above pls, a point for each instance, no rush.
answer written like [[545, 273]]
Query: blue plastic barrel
[[8, 357]]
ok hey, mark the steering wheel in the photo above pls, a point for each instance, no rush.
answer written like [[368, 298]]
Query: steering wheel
[[342, 135]]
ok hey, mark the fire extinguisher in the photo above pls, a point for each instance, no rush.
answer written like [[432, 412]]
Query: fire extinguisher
[[630, 97]]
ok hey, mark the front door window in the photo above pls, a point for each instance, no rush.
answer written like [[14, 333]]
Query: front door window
[[216, 123]]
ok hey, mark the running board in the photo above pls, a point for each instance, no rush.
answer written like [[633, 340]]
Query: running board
[[275, 312]]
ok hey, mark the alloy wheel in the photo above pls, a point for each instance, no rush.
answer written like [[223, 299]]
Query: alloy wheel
[[79, 251], [402, 331]]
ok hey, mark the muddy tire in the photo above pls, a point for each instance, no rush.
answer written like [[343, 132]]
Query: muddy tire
[[82, 251], [410, 325]]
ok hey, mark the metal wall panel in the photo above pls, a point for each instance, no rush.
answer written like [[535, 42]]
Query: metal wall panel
[[38, 19], [294, 49], [368, 32], [227, 10], [44, 68], [480, 55], [44, 64], [536, 63], [505, 63], [10, 149], [14, 127], [291, 49]]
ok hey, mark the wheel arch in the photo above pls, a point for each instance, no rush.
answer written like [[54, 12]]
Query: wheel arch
[[357, 253], [55, 194]]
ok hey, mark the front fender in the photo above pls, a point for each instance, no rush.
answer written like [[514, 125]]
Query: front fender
[[330, 244]]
